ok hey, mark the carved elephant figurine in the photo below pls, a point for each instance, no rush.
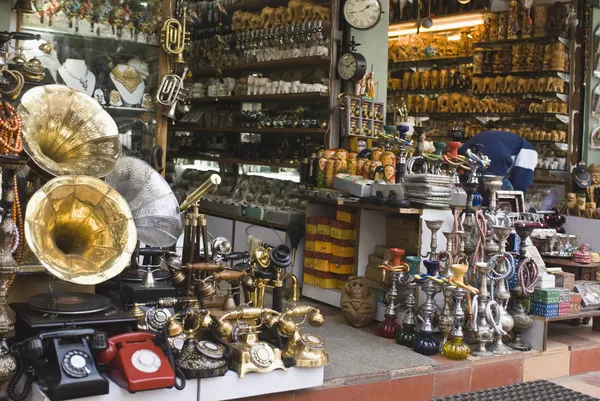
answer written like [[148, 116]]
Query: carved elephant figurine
[[489, 85], [415, 80], [406, 79], [295, 10], [425, 106], [522, 85], [418, 104], [456, 103], [475, 106], [556, 84], [396, 84], [542, 84], [410, 103], [499, 84], [466, 104], [436, 79], [247, 21], [531, 85], [443, 103], [443, 79], [426, 80], [322, 13], [477, 85], [510, 84], [284, 16], [268, 15], [536, 107], [237, 18]]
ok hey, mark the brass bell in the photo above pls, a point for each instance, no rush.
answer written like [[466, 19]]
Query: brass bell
[[262, 256], [24, 6], [175, 328]]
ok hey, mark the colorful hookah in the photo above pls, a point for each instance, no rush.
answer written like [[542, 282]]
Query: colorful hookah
[[527, 274], [430, 284], [484, 334], [389, 326], [455, 348], [446, 320], [414, 262], [437, 158], [503, 266]]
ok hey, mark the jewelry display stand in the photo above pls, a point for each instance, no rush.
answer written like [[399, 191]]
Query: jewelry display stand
[[76, 74], [128, 75]]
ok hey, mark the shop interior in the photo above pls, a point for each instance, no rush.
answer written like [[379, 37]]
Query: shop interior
[[223, 199]]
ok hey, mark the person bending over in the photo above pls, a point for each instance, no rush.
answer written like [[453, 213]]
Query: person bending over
[[511, 156]]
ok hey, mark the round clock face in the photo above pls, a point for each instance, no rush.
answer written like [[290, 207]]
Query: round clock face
[[347, 66], [362, 14]]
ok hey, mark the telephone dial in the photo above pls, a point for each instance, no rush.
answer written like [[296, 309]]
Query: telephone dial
[[136, 363], [63, 362]]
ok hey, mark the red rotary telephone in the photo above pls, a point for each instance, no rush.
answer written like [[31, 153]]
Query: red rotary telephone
[[136, 363]]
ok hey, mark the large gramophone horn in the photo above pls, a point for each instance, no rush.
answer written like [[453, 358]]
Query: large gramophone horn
[[153, 204], [66, 132], [81, 229]]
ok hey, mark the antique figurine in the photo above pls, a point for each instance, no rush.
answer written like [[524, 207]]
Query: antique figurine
[[358, 302]]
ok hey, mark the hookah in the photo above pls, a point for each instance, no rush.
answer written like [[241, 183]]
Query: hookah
[[414, 263], [407, 335], [425, 342], [493, 183], [527, 274], [389, 326], [503, 266], [455, 348], [433, 226], [402, 143], [484, 333], [429, 284], [436, 159], [446, 318]]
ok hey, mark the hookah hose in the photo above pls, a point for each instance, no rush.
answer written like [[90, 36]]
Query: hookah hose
[[493, 275], [528, 272], [457, 227], [479, 252], [169, 353], [475, 312], [489, 314], [17, 351]]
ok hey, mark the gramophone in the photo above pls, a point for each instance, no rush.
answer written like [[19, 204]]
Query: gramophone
[[158, 222]]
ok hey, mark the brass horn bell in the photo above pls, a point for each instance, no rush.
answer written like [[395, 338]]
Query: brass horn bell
[[67, 132], [81, 229], [24, 6]]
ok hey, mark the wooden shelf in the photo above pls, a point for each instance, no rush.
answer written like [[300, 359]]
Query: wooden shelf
[[229, 160], [422, 62], [519, 94], [510, 42], [280, 97], [94, 40], [542, 180], [248, 5], [522, 73], [289, 64], [245, 219], [359, 205], [282, 131], [427, 92], [551, 169], [439, 116]]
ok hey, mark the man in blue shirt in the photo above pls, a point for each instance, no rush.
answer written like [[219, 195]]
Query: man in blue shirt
[[511, 156]]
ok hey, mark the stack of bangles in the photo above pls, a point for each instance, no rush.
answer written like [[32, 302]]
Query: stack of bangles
[[11, 83]]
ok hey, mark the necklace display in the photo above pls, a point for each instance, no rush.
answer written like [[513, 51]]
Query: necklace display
[[82, 80], [129, 78]]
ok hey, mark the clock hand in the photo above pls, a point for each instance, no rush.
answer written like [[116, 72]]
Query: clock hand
[[360, 11]]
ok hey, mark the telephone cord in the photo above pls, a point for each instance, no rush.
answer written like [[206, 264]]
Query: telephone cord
[[176, 369], [21, 370]]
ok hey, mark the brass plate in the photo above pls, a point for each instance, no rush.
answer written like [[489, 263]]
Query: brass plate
[[80, 229], [67, 132]]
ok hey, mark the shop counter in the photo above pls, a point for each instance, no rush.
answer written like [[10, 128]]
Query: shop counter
[[226, 387]]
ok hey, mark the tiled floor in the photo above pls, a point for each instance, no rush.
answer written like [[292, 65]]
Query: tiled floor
[[587, 384]]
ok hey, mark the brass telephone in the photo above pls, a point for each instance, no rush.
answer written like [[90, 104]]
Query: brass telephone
[[250, 354], [306, 350]]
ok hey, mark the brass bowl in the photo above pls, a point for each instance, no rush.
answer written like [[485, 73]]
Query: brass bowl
[[81, 229], [67, 132]]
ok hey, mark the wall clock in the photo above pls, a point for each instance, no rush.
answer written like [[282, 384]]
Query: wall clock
[[362, 14], [352, 66]]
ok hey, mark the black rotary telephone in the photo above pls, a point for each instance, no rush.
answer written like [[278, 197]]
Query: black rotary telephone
[[63, 363]]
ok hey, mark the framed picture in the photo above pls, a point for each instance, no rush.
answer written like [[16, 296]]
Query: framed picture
[[511, 201]]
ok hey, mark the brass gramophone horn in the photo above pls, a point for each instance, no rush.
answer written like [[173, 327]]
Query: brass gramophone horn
[[66, 132], [80, 229]]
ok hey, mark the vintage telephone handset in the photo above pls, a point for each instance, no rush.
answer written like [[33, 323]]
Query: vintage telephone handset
[[136, 363], [250, 354], [306, 350], [63, 362]]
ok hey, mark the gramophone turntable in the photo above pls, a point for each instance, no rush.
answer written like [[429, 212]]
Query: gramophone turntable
[[57, 310]]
